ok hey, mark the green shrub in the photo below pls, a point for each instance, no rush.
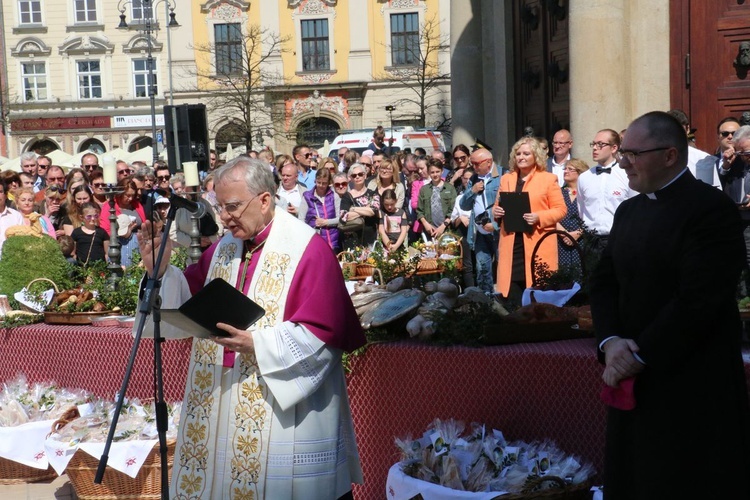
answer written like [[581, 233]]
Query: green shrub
[[26, 258]]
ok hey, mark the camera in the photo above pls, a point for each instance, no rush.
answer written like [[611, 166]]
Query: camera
[[482, 219]]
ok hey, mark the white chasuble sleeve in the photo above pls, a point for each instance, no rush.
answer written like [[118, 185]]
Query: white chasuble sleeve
[[293, 361]]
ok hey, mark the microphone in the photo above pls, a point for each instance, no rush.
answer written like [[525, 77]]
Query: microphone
[[194, 207]]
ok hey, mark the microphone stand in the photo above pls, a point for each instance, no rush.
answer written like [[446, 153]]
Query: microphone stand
[[150, 304]]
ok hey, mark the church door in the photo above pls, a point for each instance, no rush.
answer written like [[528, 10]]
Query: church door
[[541, 66], [709, 63]]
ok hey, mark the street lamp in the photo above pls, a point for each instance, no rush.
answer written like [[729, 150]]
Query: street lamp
[[149, 26], [390, 108]]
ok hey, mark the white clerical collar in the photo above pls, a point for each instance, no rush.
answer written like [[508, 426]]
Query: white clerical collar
[[652, 196]]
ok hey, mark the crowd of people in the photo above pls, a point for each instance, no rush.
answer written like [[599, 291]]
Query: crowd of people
[[376, 196]]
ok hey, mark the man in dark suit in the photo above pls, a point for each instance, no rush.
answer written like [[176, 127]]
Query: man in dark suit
[[664, 309]]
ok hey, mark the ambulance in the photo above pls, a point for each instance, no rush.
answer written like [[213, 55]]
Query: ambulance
[[404, 138]]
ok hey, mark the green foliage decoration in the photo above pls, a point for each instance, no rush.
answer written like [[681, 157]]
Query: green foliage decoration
[[26, 258]]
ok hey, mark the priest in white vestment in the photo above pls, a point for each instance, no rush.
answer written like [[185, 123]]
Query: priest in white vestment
[[266, 413]]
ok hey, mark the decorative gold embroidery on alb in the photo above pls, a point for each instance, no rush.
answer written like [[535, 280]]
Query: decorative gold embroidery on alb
[[223, 264]]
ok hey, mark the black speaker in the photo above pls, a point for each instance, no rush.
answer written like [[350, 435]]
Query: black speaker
[[189, 122]]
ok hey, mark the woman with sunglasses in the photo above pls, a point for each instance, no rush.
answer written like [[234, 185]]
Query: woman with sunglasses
[[387, 178], [12, 182], [460, 162], [323, 205], [97, 187], [360, 202], [25, 205], [51, 207], [73, 218]]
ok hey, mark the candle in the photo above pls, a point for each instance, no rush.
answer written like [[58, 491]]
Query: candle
[[110, 170], [190, 169]]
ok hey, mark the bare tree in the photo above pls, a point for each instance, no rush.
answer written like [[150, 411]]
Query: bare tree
[[420, 75], [239, 65]]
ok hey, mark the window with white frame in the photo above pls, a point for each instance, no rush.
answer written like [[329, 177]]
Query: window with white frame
[[137, 10], [315, 50], [34, 76], [228, 48], [30, 11], [89, 79], [85, 11], [405, 39], [141, 78]]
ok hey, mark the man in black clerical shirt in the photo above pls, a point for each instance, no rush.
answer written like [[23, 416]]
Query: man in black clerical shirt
[[668, 329]]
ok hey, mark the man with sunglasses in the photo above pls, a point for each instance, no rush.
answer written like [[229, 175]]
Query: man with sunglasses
[[55, 176], [340, 153], [668, 328], [89, 163], [272, 397], [732, 168], [603, 187], [43, 163], [123, 169], [302, 154]]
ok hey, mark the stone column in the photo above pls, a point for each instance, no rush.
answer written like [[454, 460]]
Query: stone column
[[600, 88], [467, 106]]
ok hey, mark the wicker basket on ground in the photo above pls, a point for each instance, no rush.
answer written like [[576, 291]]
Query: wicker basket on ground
[[14, 473], [146, 485]]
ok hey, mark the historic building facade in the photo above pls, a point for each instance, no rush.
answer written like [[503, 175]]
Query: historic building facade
[[78, 76], [338, 66]]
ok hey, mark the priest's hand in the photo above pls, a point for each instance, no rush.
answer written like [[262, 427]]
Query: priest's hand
[[149, 248], [239, 340], [619, 360]]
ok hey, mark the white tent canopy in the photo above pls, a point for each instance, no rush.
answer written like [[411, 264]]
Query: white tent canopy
[[12, 164], [58, 156]]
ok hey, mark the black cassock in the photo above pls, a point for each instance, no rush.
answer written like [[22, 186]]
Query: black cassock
[[668, 280]]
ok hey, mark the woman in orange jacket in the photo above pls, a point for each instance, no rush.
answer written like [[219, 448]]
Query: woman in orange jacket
[[528, 173]]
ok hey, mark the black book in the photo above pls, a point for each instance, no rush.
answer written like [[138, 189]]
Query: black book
[[515, 205], [217, 302]]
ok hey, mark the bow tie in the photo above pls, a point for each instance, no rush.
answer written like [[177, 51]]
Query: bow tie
[[601, 170]]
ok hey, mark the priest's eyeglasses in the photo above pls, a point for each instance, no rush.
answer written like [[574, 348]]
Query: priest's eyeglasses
[[231, 208], [632, 156]]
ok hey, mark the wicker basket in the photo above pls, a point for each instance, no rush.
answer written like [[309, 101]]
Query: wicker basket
[[14, 473], [365, 269], [348, 263], [146, 485], [54, 285], [428, 264], [556, 489]]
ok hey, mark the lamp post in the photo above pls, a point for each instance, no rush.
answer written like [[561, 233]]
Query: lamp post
[[149, 26], [390, 108]]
